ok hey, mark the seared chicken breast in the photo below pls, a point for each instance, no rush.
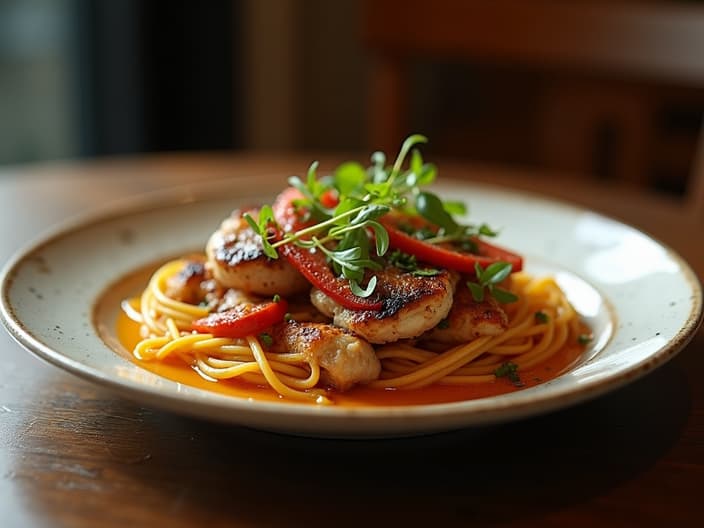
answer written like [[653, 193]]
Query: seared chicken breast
[[469, 319], [345, 358], [188, 285], [238, 261], [411, 306]]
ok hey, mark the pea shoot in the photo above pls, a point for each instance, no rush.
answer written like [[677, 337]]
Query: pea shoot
[[340, 215]]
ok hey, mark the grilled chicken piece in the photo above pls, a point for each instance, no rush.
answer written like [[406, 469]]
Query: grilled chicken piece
[[469, 319], [238, 261], [411, 305], [345, 358], [190, 285]]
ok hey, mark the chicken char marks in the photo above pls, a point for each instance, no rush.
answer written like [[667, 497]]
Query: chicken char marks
[[411, 305]]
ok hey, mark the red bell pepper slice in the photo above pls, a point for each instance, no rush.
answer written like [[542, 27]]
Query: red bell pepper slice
[[448, 258], [243, 320], [314, 267], [313, 264]]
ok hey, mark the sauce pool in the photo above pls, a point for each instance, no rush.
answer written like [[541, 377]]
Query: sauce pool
[[176, 370]]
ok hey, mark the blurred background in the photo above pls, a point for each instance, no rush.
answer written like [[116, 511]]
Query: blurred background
[[606, 89]]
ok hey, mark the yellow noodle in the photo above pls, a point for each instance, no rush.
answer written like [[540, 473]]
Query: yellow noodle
[[528, 341]]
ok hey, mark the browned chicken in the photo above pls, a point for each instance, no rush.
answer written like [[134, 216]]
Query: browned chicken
[[237, 260], [345, 358], [469, 319], [411, 306], [190, 284]]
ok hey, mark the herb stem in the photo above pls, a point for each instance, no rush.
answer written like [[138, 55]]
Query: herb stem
[[292, 237], [441, 239], [405, 148]]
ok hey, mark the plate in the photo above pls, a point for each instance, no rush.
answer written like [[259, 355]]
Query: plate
[[60, 297]]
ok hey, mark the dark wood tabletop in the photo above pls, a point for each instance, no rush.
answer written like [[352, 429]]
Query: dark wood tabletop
[[74, 454]]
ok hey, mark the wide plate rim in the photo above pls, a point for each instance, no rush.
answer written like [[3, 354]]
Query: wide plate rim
[[376, 420]]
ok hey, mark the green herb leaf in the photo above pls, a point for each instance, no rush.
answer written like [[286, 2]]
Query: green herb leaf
[[366, 292], [426, 272], [485, 230], [381, 237], [455, 208], [496, 272], [427, 175], [542, 317], [509, 370], [266, 340], [370, 212], [253, 224], [503, 296], [477, 291], [488, 278], [431, 207], [261, 227], [584, 339], [349, 177]]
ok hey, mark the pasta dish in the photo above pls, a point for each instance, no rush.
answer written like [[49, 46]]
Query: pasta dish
[[363, 280]]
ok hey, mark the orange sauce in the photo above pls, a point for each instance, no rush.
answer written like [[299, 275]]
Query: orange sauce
[[176, 370]]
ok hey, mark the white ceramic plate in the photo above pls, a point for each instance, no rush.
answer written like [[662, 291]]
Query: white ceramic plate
[[60, 294]]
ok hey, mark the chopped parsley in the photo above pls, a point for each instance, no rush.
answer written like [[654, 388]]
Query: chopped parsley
[[266, 339], [510, 371], [542, 317], [409, 263], [584, 339]]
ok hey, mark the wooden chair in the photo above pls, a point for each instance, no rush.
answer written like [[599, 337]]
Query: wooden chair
[[621, 41]]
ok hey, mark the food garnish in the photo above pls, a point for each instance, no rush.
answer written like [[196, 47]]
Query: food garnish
[[337, 230], [487, 280]]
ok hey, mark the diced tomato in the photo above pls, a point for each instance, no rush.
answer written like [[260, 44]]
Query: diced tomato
[[329, 199], [243, 320]]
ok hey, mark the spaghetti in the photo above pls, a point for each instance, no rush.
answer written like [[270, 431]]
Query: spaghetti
[[541, 322], [334, 235]]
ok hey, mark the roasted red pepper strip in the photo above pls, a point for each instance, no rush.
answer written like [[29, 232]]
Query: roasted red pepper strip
[[243, 320], [448, 258], [313, 264], [314, 267]]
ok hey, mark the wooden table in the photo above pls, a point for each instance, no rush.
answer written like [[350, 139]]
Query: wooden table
[[73, 454]]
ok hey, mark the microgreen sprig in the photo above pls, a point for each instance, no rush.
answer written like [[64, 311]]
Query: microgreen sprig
[[487, 280], [347, 230]]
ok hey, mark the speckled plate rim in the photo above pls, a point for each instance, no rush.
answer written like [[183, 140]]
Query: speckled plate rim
[[323, 420]]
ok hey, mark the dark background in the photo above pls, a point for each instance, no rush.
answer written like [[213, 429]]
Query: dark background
[[80, 78]]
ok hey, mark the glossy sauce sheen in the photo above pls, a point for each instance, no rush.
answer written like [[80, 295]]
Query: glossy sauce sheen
[[176, 370]]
